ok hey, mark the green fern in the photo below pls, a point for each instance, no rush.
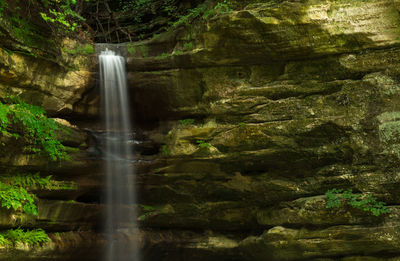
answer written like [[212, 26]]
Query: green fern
[[36, 127]]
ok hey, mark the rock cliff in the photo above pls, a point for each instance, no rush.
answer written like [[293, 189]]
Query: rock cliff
[[246, 120]]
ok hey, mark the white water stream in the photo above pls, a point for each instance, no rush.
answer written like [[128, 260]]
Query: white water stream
[[120, 195]]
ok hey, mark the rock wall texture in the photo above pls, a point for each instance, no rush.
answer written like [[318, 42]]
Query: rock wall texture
[[245, 121], [289, 100]]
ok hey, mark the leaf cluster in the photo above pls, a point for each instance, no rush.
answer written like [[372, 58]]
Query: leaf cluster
[[147, 211], [62, 14], [29, 237], [204, 11], [14, 190], [17, 198], [366, 202], [30, 181], [35, 181], [36, 127]]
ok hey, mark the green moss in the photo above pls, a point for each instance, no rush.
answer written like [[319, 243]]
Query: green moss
[[80, 49], [186, 122], [28, 33], [389, 116], [389, 132], [144, 50], [188, 46], [131, 49], [163, 56]]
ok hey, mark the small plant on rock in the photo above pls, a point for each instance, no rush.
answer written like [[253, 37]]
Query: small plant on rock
[[165, 151], [29, 237], [203, 144], [186, 122], [366, 202], [17, 198], [32, 123]]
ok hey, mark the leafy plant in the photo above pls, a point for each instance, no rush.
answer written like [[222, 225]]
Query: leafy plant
[[36, 127], [224, 7], [203, 144], [29, 237], [29, 180], [35, 181], [14, 191], [4, 241], [366, 202], [147, 211], [17, 198], [62, 14], [186, 122]]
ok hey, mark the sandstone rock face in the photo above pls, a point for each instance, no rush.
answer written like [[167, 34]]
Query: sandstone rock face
[[289, 100], [252, 117], [56, 87]]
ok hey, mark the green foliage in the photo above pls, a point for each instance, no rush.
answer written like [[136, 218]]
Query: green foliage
[[35, 181], [203, 144], [147, 210], [202, 10], [144, 50], [17, 198], [85, 49], [186, 122], [14, 194], [131, 49], [165, 151], [29, 237], [366, 202], [164, 55], [177, 52], [140, 6], [36, 127], [224, 7], [28, 181], [188, 46], [190, 16], [242, 124], [27, 32], [61, 13], [4, 241], [2, 6]]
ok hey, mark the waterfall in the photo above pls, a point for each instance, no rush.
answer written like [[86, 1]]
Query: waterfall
[[120, 195]]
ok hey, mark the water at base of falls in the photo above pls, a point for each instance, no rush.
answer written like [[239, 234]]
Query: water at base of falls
[[120, 222]]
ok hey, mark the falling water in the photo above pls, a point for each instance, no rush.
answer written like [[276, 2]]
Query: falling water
[[120, 224]]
